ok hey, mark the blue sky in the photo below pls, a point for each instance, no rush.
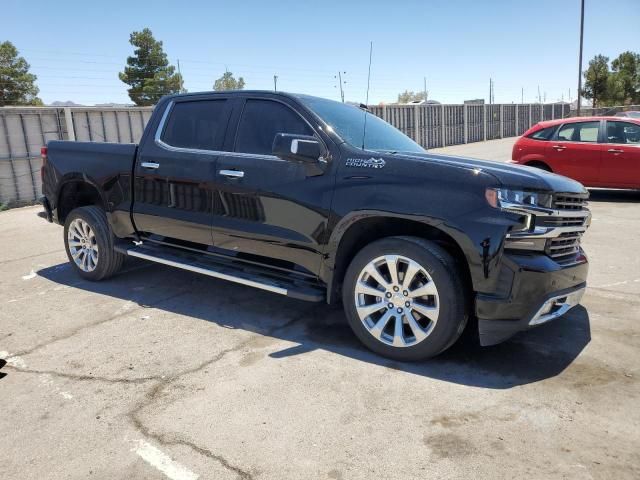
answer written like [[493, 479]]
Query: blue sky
[[77, 47]]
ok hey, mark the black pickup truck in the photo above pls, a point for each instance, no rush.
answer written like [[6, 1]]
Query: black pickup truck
[[322, 201]]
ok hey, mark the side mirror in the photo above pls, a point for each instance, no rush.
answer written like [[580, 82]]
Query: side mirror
[[301, 148]]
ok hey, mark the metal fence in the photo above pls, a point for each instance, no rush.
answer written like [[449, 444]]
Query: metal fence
[[589, 112], [434, 126], [24, 130]]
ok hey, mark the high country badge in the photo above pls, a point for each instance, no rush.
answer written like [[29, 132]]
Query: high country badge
[[365, 162]]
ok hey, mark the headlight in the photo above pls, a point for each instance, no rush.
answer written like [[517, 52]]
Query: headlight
[[522, 202], [516, 199]]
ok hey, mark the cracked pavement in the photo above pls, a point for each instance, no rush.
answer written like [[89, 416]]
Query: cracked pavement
[[159, 373]]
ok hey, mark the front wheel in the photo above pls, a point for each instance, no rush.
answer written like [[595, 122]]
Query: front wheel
[[404, 298], [88, 241]]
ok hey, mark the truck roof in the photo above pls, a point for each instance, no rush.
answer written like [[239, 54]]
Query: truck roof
[[241, 92]]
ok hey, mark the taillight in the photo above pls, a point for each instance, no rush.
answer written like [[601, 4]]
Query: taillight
[[43, 155]]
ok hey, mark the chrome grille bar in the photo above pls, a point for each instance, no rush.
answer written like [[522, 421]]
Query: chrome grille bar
[[559, 228]]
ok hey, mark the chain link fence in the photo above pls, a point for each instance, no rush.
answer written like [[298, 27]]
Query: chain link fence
[[24, 130]]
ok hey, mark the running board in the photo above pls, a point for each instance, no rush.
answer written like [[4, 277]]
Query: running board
[[260, 278]]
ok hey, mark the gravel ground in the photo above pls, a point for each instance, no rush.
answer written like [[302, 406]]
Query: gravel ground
[[160, 373]]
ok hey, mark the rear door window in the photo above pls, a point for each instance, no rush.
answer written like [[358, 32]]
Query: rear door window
[[579, 132], [543, 134], [261, 121], [197, 124], [623, 132]]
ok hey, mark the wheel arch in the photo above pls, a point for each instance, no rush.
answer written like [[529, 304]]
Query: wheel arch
[[76, 192], [539, 163], [357, 232]]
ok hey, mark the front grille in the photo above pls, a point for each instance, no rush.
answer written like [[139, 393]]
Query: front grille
[[570, 201], [564, 247], [561, 221], [558, 231]]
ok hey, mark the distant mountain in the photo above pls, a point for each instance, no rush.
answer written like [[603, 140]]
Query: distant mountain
[[68, 103], [118, 105]]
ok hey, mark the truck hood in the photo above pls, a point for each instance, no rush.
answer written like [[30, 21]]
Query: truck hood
[[509, 175]]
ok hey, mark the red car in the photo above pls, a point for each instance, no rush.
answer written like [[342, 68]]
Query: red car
[[596, 151]]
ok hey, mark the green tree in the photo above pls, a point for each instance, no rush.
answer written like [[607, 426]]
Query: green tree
[[626, 70], [17, 85], [228, 82], [410, 96], [596, 79], [614, 94], [148, 71]]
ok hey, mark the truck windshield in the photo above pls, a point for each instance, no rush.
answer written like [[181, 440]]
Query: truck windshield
[[348, 122]]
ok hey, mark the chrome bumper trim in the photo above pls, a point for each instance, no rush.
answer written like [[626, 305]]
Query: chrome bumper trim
[[557, 306]]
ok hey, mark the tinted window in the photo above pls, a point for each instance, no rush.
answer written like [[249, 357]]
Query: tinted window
[[579, 132], [543, 134], [348, 122], [195, 124], [623, 132], [261, 121]]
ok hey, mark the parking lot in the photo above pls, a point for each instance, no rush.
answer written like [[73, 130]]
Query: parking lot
[[161, 373]]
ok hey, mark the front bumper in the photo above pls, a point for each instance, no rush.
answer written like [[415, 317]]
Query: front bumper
[[533, 290]]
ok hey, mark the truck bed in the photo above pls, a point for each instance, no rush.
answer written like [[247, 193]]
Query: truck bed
[[106, 167]]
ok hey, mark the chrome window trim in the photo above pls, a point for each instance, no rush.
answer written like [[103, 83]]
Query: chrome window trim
[[158, 140], [171, 148]]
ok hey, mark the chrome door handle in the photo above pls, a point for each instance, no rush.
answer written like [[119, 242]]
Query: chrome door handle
[[150, 165], [232, 173], [615, 150], [559, 147]]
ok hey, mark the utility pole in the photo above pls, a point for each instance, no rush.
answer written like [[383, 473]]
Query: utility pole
[[425, 90], [580, 55], [275, 83], [539, 97], [181, 79], [490, 91], [522, 95], [340, 83]]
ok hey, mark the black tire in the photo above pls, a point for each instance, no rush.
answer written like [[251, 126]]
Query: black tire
[[540, 165], [453, 298], [108, 260]]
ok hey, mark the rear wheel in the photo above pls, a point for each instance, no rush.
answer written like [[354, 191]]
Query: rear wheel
[[88, 241], [404, 298]]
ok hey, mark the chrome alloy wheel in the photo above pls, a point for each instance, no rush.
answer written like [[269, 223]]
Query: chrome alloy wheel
[[83, 245], [397, 300]]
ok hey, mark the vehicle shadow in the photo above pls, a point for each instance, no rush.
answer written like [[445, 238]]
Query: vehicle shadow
[[2, 364], [621, 196], [529, 357]]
